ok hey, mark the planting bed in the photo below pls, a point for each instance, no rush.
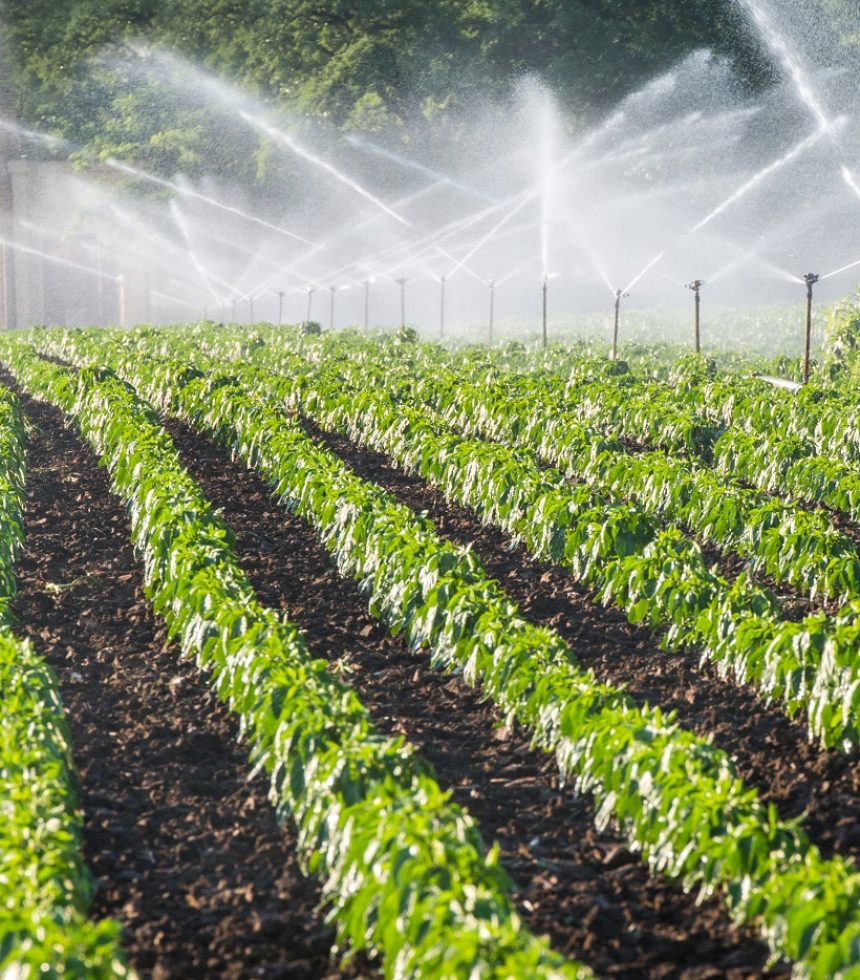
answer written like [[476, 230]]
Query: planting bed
[[423, 656], [583, 888], [773, 753], [186, 853]]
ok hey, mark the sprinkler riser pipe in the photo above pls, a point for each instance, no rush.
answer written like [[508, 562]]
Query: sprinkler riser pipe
[[619, 295], [696, 288], [811, 278], [544, 290], [402, 284]]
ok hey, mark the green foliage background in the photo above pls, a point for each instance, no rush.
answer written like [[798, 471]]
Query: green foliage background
[[407, 69]]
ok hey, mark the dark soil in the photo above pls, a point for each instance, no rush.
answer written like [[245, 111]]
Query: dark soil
[[771, 752], [594, 898], [186, 853]]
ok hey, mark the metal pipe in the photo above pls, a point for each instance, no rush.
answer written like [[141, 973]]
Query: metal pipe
[[619, 295], [811, 278], [793, 386], [442, 283], [332, 290], [544, 290], [280, 307], [402, 284], [696, 287], [310, 291], [250, 309], [492, 286]]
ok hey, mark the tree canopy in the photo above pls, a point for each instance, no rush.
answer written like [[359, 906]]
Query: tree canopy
[[365, 65]]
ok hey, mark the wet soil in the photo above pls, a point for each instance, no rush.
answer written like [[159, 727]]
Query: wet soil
[[185, 852], [593, 897]]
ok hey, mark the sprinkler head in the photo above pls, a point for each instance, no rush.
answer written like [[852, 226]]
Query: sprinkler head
[[811, 278], [695, 285]]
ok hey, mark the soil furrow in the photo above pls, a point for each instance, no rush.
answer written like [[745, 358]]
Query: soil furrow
[[772, 752], [186, 853], [586, 890]]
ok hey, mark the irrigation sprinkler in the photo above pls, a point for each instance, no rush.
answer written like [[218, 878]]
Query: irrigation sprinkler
[[544, 291], [402, 283], [492, 284], [250, 309], [310, 291], [366, 305], [281, 295], [233, 311], [696, 287], [442, 283], [811, 278], [619, 295], [332, 290]]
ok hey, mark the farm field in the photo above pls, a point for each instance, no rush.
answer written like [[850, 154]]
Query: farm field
[[543, 664]]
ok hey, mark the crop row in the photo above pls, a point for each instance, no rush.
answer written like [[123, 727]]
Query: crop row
[[574, 414], [45, 888], [805, 446], [748, 433], [788, 544], [673, 794], [404, 869], [656, 575]]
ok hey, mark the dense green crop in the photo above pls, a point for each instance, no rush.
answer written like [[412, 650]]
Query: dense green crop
[[673, 794], [404, 870], [45, 888]]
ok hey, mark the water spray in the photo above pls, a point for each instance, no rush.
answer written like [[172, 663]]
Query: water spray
[[619, 295], [211, 201], [696, 287], [811, 278], [292, 143]]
